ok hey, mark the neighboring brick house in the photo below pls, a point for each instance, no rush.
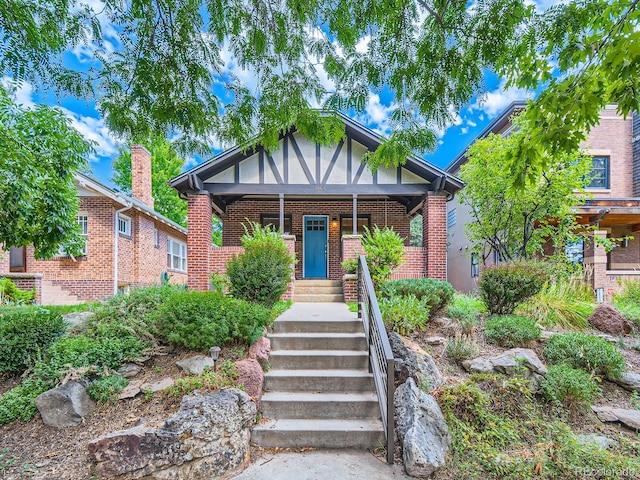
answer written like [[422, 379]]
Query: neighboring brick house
[[147, 244], [314, 192], [615, 206]]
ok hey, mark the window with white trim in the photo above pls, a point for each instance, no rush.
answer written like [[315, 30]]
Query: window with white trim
[[83, 221], [176, 255], [451, 218], [124, 225], [599, 172], [156, 238]]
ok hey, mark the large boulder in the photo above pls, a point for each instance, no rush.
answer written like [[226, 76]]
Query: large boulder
[[521, 361], [607, 319], [207, 438], [629, 381], [251, 375], [195, 365], [629, 418], [416, 363], [260, 350], [65, 406], [421, 429], [77, 319]]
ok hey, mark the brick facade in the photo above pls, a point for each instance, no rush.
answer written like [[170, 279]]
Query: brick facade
[[141, 174], [434, 234], [199, 241]]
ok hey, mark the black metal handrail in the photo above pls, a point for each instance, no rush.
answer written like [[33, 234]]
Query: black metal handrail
[[381, 361]]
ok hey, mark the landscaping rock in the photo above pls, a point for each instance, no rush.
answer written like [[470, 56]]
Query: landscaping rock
[[158, 386], [629, 381], [195, 365], [261, 350], [629, 418], [421, 429], [207, 438], [435, 340], [129, 370], [600, 440], [416, 363], [65, 406], [478, 365], [607, 319], [77, 319], [251, 375], [130, 390], [517, 360]]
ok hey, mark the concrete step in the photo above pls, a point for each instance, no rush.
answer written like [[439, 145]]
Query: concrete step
[[319, 381], [317, 297], [336, 325], [319, 433], [318, 359], [56, 295], [318, 282], [318, 341], [320, 405], [319, 290]]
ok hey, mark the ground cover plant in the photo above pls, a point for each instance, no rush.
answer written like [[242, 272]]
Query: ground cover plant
[[511, 331], [465, 310], [436, 294], [627, 301], [569, 387]]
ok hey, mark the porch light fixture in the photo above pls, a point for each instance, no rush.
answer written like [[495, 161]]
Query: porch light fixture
[[215, 353], [334, 221]]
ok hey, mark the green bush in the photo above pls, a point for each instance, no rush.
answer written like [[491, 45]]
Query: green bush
[[587, 352], [511, 331], [435, 293], [263, 271], [461, 347], [10, 293], [627, 301], [199, 320], [503, 287], [569, 387], [107, 389], [384, 250], [350, 265], [25, 335], [404, 314], [566, 304], [465, 309], [19, 401]]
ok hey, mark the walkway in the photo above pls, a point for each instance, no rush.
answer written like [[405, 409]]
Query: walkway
[[322, 465]]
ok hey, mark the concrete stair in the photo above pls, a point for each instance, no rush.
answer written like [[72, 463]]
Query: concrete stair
[[318, 291], [56, 295], [319, 392]]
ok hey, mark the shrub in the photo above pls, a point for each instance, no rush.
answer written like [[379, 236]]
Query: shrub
[[566, 304], [503, 287], [10, 293], [384, 249], [627, 301], [404, 314], [350, 265], [226, 376], [25, 335], [511, 331], [461, 347], [569, 387], [262, 272], [435, 293], [587, 352], [198, 320], [464, 309], [107, 389], [19, 402]]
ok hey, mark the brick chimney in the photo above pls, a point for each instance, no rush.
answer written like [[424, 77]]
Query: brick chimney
[[141, 174], [636, 154]]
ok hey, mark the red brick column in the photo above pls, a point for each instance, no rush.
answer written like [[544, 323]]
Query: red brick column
[[290, 240], [434, 235], [596, 264], [351, 248], [198, 241]]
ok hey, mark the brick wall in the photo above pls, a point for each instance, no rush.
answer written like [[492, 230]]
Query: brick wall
[[413, 264], [26, 281], [141, 174], [350, 288], [91, 277], [434, 230], [199, 241], [382, 213]]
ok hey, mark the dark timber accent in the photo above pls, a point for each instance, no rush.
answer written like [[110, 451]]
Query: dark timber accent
[[415, 203], [349, 156], [334, 159], [318, 174], [274, 169], [305, 167], [360, 170], [285, 158], [399, 175], [375, 177], [275, 189], [261, 166], [218, 205], [236, 173]]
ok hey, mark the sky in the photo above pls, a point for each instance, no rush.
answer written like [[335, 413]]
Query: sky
[[465, 127]]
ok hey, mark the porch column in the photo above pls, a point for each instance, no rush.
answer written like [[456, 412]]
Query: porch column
[[355, 214], [434, 234], [198, 241], [351, 248], [290, 240], [596, 263], [281, 218]]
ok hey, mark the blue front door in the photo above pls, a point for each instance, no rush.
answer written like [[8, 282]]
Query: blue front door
[[315, 247]]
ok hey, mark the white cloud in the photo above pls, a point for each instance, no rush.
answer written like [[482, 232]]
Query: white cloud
[[494, 102], [377, 115], [464, 130], [85, 52], [471, 123]]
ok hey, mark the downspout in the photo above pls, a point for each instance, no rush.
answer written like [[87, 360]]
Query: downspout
[[116, 235]]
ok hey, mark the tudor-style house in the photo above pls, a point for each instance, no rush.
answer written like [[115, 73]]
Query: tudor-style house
[[321, 198], [128, 244], [614, 145]]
